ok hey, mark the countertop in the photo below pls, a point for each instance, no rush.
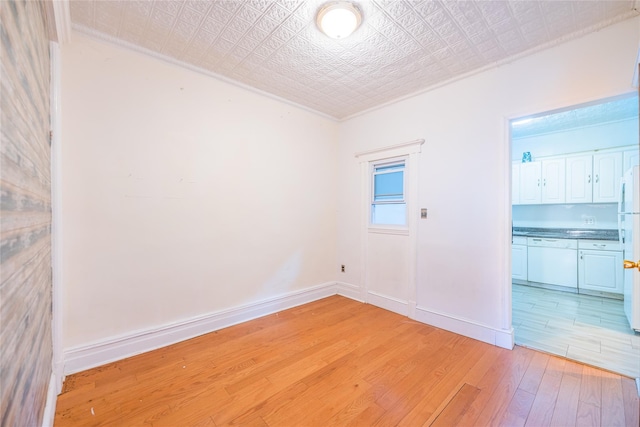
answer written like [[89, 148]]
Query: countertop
[[566, 233]]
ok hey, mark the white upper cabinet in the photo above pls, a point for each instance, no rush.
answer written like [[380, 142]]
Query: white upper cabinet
[[607, 172], [539, 182], [587, 178], [515, 183], [530, 183], [579, 179], [553, 181], [594, 179], [630, 158]]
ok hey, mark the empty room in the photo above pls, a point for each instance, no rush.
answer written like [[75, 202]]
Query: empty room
[[243, 212]]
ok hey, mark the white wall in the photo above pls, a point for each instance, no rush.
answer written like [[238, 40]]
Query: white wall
[[607, 135], [463, 247], [184, 195]]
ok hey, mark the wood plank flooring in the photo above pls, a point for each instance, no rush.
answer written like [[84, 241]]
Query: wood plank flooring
[[589, 329], [339, 362]]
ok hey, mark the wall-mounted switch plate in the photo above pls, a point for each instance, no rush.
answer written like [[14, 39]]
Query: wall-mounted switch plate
[[423, 213]]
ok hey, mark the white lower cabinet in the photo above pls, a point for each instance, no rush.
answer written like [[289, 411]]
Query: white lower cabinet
[[596, 266], [600, 266], [519, 258]]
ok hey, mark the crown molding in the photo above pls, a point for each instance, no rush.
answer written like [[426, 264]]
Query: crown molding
[[62, 13], [58, 17], [634, 82], [633, 13]]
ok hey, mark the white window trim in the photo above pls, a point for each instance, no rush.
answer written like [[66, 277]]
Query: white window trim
[[398, 150], [388, 229], [369, 159]]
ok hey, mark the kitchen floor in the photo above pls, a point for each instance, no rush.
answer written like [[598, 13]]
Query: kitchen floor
[[589, 329]]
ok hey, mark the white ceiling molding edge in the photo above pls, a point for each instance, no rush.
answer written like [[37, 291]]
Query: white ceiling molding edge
[[58, 17], [634, 80], [62, 14], [101, 37], [575, 35]]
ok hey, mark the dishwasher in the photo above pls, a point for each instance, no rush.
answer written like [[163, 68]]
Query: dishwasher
[[553, 261]]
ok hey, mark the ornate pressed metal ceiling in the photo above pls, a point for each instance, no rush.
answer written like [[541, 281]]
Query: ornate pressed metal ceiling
[[625, 108], [402, 47]]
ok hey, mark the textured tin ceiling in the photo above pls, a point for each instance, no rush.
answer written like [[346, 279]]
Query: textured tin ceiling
[[401, 48], [611, 111]]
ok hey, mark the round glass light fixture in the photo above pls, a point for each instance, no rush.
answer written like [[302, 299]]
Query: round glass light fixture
[[338, 19]]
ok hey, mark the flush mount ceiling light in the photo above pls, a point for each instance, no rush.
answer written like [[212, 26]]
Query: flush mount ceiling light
[[338, 19]]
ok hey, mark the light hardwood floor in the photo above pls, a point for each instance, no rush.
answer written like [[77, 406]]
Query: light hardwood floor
[[585, 328], [339, 362]]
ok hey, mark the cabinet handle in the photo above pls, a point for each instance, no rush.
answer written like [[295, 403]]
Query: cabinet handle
[[597, 178], [544, 182], [538, 182], [588, 179]]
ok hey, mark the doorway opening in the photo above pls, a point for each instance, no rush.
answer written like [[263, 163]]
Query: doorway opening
[[567, 270]]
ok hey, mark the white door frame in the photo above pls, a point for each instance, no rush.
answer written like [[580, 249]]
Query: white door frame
[[409, 150], [56, 216]]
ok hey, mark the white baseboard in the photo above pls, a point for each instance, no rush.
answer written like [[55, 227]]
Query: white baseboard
[[99, 353], [497, 337], [412, 309], [58, 371], [50, 405], [388, 303], [350, 291], [96, 354]]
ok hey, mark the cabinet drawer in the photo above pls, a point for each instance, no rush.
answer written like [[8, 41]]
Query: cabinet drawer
[[552, 243], [600, 245]]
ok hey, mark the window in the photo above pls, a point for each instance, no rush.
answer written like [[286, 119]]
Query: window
[[388, 205]]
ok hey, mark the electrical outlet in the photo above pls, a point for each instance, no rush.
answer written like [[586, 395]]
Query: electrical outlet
[[342, 268], [589, 220]]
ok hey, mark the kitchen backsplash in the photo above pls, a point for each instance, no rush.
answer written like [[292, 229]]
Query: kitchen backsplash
[[592, 216]]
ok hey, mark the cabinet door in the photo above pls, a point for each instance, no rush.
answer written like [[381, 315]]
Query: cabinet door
[[515, 183], [519, 262], [607, 171], [579, 179], [630, 158], [553, 266], [530, 181], [600, 271], [553, 181]]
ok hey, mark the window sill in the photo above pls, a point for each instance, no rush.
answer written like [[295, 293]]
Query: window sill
[[389, 229]]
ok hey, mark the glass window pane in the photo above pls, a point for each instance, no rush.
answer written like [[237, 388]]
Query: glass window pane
[[388, 186], [392, 214]]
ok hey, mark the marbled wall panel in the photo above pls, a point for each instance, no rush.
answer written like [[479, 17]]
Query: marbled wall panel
[[25, 214]]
